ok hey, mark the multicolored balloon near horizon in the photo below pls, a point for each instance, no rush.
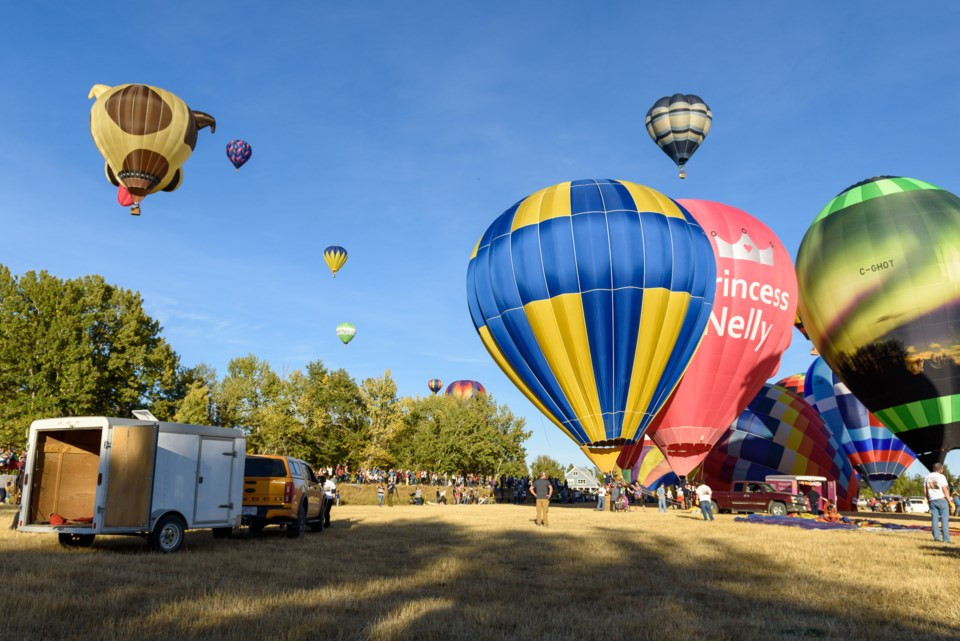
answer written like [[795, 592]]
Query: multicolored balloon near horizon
[[678, 125], [879, 276], [592, 296], [750, 326], [794, 383], [335, 257], [346, 332], [780, 433], [239, 152], [465, 389], [145, 134], [873, 450], [650, 469], [434, 385]]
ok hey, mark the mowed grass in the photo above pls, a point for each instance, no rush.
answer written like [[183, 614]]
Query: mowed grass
[[487, 572]]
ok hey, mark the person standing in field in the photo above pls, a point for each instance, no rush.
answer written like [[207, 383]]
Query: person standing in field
[[669, 495], [956, 503], [380, 490], [330, 492], [542, 490], [391, 491], [705, 496], [936, 488], [661, 499], [601, 496]]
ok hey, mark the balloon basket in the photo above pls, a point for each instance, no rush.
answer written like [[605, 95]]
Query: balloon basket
[[683, 174], [135, 210]]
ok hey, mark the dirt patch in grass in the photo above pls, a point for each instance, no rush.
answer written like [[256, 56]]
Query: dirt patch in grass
[[487, 572]]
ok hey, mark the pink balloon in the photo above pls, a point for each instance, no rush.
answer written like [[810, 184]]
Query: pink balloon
[[750, 327], [124, 197]]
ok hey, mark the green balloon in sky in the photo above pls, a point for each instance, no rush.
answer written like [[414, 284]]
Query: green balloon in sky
[[879, 279], [346, 332]]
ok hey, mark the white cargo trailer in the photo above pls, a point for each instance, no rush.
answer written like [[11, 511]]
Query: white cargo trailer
[[95, 475]]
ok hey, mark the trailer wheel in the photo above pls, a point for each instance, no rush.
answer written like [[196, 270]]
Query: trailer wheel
[[714, 507], [778, 509], [167, 535], [76, 540], [222, 532], [296, 529]]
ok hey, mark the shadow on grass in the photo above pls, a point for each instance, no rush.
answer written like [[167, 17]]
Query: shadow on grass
[[430, 580]]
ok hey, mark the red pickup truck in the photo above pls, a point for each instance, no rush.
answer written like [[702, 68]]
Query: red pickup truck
[[757, 496]]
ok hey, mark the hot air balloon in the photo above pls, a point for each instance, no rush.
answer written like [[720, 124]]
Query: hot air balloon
[[592, 297], [780, 433], [879, 275], [678, 124], [145, 134], [346, 332], [239, 152], [873, 450], [794, 383], [435, 385], [124, 197], [750, 326], [335, 257], [650, 469], [465, 389]]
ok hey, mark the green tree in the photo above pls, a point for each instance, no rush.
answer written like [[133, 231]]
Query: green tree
[[385, 414], [334, 412], [544, 463], [196, 406], [79, 347]]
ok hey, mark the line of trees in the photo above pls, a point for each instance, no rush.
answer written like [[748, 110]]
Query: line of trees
[[81, 346]]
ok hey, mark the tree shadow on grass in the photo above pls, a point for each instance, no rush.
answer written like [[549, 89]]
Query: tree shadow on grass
[[431, 579]]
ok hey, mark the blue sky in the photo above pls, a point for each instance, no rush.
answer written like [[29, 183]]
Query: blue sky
[[401, 129]]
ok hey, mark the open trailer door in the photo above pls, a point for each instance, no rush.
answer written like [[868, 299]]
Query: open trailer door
[[133, 455]]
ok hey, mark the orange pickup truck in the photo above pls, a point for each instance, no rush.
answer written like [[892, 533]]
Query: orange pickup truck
[[281, 490]]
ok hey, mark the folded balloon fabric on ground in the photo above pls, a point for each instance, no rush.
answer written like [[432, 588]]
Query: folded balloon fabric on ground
[[809, 523]]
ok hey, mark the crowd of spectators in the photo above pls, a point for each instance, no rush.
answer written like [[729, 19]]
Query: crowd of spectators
[[10, 464]]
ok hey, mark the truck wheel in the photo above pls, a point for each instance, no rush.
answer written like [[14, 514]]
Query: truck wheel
[[297, 529], [222, 532], [317, 525], [714, 507], [76, 540], [777, 509], [167, 535]]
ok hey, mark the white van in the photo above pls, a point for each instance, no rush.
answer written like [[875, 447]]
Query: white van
[[915, 504], [97, 475]]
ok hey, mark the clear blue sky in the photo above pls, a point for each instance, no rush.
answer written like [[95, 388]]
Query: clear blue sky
[[400, 129]]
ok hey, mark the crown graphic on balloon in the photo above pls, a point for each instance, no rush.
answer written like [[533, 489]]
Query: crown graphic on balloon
[[744, 249]]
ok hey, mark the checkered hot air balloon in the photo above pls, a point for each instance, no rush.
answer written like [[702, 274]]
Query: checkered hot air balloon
[[592, 297], [780, 433], [335, 257], [794, 383], [239, 152], [465, 389], [873, 450], [434, 385], [678, 125]]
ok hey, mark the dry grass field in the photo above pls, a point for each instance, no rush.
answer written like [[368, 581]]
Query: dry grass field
[[487, 572]]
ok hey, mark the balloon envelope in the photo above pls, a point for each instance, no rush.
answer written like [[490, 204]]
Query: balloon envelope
[[794, 383], [465, 389], [239, 152], [650, 469], [592, 296], [335, 257], [879, 275], [873, 450], [750, 326], [123, 196], [145, 134], [346, 332], [678, 125], [435, 385], [779, 433]]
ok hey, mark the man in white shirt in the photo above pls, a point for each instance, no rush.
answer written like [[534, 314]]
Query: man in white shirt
[[601, 496], [330, 490], [936, 488], [705, 496]]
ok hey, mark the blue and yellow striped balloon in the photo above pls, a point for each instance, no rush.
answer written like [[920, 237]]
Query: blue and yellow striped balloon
[[335, 257], [592, 296]]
